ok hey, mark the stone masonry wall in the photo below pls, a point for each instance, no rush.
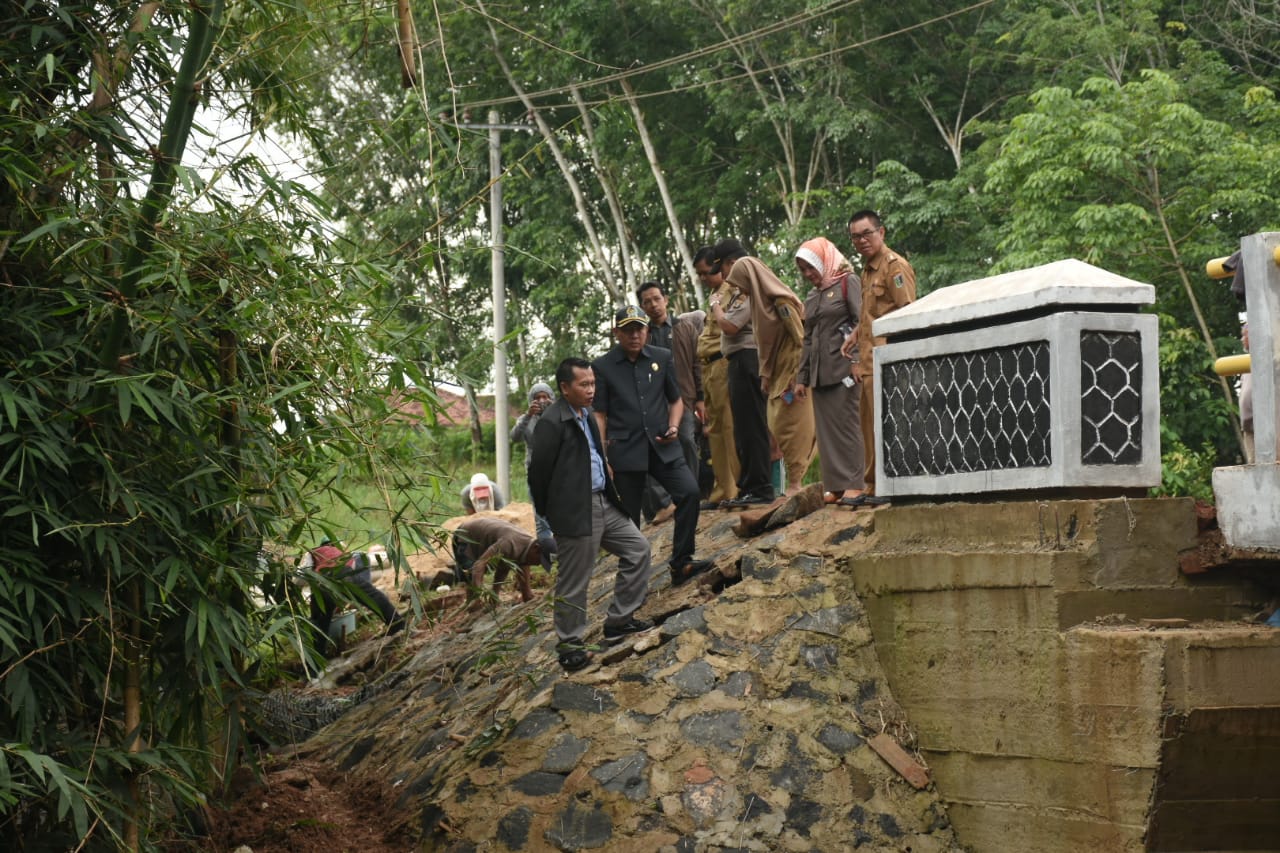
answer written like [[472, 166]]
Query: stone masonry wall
[[995, 655], [745, 723]]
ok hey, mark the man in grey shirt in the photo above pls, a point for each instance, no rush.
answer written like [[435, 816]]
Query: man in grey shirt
[[746, 398]]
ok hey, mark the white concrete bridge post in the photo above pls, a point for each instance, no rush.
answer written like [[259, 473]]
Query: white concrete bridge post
[[1248, 496]]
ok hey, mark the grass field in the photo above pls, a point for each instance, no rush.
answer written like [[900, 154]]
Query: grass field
[[361, 512]]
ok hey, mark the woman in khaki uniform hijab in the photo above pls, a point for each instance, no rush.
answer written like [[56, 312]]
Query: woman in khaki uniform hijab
[[777, 316]]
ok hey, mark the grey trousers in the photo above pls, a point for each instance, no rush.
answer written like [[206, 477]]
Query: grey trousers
[[614, 532], [838, 420]]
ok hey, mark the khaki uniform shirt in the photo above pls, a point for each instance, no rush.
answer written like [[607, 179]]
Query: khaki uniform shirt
[[737, 310], [784, 362], [888, 283], [709, 340]]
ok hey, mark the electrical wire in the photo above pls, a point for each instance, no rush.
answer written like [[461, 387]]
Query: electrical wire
[[754, 35], [698, 53]]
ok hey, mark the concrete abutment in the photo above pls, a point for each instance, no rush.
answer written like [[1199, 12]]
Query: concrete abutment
[[1028, 644]]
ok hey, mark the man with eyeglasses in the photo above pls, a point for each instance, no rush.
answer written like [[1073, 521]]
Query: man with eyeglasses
[[888, 283]]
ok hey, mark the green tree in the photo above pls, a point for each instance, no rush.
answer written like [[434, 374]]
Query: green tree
[[1132, 178]]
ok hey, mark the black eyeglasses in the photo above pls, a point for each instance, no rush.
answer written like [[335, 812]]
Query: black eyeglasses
[[863, 235]]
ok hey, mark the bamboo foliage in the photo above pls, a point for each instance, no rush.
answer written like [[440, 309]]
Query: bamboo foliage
[[180, 384]]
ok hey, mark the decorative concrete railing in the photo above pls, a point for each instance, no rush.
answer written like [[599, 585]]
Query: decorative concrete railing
[[1045, 378], [1248, 496]]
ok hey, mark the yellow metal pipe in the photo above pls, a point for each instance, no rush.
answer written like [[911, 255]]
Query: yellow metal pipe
[[1232, 365], [1215, 268]]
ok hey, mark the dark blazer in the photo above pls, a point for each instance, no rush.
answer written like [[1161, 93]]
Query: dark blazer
[[825, 311], [636, 398], [560, 470]]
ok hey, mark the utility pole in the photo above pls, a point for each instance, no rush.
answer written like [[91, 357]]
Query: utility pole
[[502, 449]]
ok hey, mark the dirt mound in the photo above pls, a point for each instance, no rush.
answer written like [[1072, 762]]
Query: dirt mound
[[309, 807]]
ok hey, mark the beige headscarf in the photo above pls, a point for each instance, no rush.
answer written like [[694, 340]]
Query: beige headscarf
[[777, 315], [821, 254]]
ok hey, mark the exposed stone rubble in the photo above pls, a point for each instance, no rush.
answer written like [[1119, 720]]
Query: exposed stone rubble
[[741, 723]]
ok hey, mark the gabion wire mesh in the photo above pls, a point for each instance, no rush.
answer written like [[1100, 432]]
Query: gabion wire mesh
[[1110, 398], [974, 411]]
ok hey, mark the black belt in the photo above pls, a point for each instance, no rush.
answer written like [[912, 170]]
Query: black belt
[[713, 358]]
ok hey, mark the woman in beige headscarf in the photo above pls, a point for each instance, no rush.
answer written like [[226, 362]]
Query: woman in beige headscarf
[[777, 317], [831, 321]]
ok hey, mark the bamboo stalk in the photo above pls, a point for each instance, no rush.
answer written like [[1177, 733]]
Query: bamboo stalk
[[206, 16]]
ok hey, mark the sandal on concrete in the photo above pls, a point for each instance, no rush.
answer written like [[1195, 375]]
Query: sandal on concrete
[[688, 571], [856, 501]]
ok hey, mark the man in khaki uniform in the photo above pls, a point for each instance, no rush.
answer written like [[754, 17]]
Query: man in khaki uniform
[[888, 283], [718, 422]]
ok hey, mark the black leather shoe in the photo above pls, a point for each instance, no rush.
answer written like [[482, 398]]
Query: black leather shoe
[[574, 656], [617, 633], [748, 500]]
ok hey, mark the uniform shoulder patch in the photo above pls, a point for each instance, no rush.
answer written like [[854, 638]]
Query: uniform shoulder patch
[[897, 280]]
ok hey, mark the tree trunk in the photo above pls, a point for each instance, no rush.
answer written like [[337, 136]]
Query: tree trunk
[[793, 198], [610, 192], [1153, 181], [473, 416], [206, 17], [677, 233], [408, 40], [131, 697]]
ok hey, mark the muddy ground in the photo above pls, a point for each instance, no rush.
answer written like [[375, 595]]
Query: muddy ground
[[305, 806]]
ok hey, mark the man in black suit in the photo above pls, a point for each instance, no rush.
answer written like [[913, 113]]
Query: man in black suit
[[572, 488], [638, 410]]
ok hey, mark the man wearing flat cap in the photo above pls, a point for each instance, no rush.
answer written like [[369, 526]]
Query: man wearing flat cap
[[638, 409]]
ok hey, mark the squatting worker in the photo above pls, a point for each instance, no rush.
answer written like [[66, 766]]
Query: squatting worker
[[888, 283], [329, 558], [638, 409], [830, 322], [777, 319], [718, 420], [746, 400], [571, 485], [484, 540]]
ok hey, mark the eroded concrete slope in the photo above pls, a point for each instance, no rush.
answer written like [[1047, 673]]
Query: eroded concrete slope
[[742, 724]]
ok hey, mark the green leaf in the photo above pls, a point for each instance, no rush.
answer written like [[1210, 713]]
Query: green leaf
[[124, 401]]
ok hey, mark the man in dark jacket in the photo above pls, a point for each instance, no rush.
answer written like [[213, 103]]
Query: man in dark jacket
[[638, 409], [571, 486]]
